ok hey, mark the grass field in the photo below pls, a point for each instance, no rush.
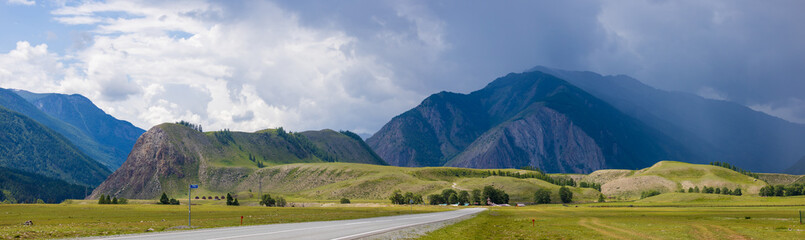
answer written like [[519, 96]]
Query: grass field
[[586, 222], [76, 220]]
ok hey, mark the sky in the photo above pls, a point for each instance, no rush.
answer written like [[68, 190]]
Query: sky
[[355, 64]]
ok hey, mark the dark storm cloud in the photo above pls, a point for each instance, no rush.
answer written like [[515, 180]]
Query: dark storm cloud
[[745, 51]]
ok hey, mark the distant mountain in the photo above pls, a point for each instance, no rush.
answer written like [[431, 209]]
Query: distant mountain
[[798, 167], [115, 135], [29, 146], [528, 119], [168, 157], [719, 130], [103, 152], [23, 187]]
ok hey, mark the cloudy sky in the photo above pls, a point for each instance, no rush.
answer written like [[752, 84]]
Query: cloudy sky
[[353, 65]]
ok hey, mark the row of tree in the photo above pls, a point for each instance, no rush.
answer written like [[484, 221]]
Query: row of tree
[[196, 127], [783, 190], [543, 195], [268, 201], [714, 190], [595, 186], [734, 168], [408, 198], [104, 199]]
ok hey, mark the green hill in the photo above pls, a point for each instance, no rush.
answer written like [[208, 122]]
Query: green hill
[[669, 176], [170, 156], [29, 146]]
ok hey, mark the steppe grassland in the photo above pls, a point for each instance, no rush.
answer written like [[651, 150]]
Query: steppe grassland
[[77, 220]]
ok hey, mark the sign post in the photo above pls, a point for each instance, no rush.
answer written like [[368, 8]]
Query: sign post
[[190, 196]]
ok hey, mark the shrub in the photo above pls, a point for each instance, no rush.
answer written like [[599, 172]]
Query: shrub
[[281, 202], [345, 201], [164, 199], [542, 196], [267, 201]]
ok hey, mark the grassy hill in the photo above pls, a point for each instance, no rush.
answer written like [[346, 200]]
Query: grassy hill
[[23, 187], [669, 176]]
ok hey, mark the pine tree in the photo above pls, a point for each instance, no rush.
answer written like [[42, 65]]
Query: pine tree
[[601, 198], [102, 199], [164, 199], [114, 200], [228, 199]]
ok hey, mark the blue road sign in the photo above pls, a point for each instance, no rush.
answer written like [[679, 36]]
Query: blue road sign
[[193, 186]]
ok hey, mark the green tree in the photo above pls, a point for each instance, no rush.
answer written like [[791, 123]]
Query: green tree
[[737, 192], [463, 197], [601, 198], [396, 197], [281, 202], [164, 199], [344, 201], [435, 199], [267, 201], [122, 201], [565, 194], [446, 195], [495, 195], [718, 191], [690, 190], [542, 196], [102, 199], [236, 203], [114, 200], [696, 189], [453, 199], [476, 196], [229, 199]]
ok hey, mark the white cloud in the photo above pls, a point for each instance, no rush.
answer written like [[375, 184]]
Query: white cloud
[[22, 2], [711, 93], [247, 70]]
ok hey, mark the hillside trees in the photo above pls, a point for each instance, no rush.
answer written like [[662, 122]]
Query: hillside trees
[[408, 198]]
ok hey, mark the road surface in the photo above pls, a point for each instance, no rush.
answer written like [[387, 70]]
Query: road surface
[[336, 230]]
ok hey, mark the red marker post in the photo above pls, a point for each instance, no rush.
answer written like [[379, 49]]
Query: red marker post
[[241, 220], [532, 223]]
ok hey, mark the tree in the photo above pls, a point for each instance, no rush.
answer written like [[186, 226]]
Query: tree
[[122, 201], [601, 198], [690, 190], [696, 189], [281, 202], [649, 193], [779, 190], [453, 199], [542, 196], [463, 197], [495, 195], [725, 191], [164, 199], [476, 196], [435, 199], [737, 192], [267, 201], [235, 203], [397, 198], [173, 201], [718, 191], [229, 199], [114, 200], [565, 194], [344, 201], [447, 193], [102, 199]]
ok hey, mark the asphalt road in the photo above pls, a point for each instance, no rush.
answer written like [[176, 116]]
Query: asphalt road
[[336, 230]]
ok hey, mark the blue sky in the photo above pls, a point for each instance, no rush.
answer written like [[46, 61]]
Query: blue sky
[[249, 65]]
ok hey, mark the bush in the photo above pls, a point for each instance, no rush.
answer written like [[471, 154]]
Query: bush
[[435, 199], [122, 201], [565, 194], [164, 199], [542, 196], [650, 193], [173, 201], [345, 201], [601, 198], [281, 202]]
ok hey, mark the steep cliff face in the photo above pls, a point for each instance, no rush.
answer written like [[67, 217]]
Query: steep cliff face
[[546, 139], [154, 160], [169, 157], [528, 119]]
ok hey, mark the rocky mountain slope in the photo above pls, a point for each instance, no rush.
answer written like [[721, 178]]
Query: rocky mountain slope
[[527, 119], [168, 157], [117, 136], [31, 147], [719, 130]]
